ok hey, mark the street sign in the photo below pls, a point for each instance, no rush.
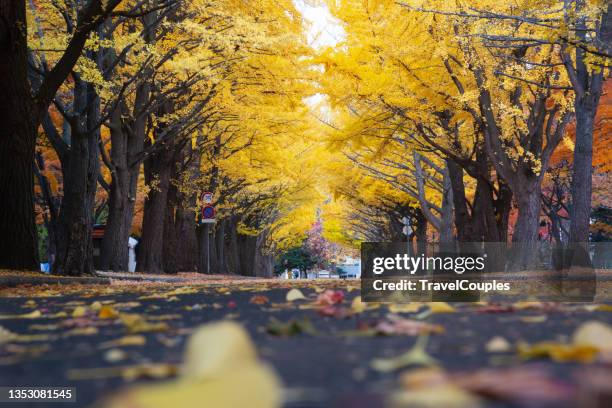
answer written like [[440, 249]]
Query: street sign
[[208, 213], [206, 197], [407, 229]]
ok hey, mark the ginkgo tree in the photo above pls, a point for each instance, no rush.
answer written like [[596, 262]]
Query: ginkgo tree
[[24, 104], [496, 113]]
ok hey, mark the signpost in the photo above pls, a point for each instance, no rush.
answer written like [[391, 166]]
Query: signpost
[[207, 217], [208, 211]]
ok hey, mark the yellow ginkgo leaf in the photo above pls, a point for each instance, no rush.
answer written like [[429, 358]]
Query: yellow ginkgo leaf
[[220, 357], [558, 351], [34, 314], [357, 306], [136, 323], [411, 307], [79, 311], [295, 294], [440, 307], [108, 312]]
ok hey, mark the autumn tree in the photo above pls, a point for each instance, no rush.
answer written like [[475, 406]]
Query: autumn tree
[[23, 105]]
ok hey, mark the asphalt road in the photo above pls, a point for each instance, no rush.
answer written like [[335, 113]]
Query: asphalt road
[[330, 368]]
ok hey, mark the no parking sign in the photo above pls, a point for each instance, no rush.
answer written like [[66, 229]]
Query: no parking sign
[[208, 214]]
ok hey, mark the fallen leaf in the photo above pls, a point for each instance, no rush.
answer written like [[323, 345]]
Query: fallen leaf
[[43, 327], [498, 344], [397, 325], [330, 297], [136, 323], [441, 307], [295, 294], [155, 371], [448, 396], [290, 328], [108, 312], [259, 300], [129, 373], [357, 306], [337, 312], [219, 356], [416, 356], [81, 331], [525, 385], [558, 352], [6, 336], [423, 377], [533, 305], [411, 307], [530, 386], [114, 355], [134, 340], [534, 319], [595, 334], [79, 311], [35, 314]]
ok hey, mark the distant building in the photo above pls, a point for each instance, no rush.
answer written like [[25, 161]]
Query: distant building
[[350, 268]]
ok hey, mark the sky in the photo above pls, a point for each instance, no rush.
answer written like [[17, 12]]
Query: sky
[[324, 30]]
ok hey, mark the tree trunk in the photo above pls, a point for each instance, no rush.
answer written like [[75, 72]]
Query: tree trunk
[[233, 260], [446, 218], [114, 248], [74, 244], [220, 236], [529, 206], [187, 254], [171, 225], [18, 245], [157, 176], [503, 206], [582, 179], [18, 129], [524, 239], [50, 202], [421, 232], [463, 223], [125, 146], [247, 245], [588, 85]]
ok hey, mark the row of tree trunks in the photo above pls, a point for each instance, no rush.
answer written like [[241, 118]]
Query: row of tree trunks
[[485, 218], [127, 129], [22, 109], [127, 143], [233, 253]]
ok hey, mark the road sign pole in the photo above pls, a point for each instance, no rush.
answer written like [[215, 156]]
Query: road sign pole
[[207, 250]]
